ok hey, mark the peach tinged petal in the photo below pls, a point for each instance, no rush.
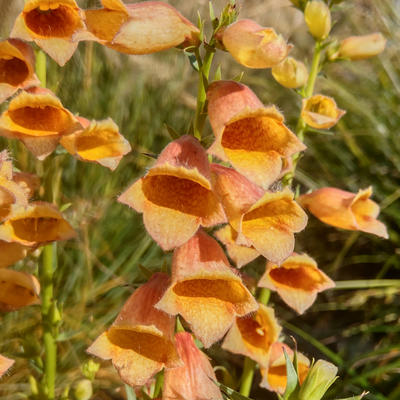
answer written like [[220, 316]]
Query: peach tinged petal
[[361, 47], [11, 253], [5, 365]]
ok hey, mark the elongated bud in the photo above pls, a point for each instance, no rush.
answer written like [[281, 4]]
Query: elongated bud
[[361, 47], [290, 73], [318, 19]]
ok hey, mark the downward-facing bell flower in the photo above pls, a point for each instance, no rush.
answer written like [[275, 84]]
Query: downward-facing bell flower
[[98, 141], [17, 67], [204, 290], [140, 342], [342, 209], [17, 290], [5, 365], [195, 379], [253, 138], [11, 253], [254, 335], [297, 281], [51, 25], [265, 220], [139, 28], [254, 46], [176, 196]]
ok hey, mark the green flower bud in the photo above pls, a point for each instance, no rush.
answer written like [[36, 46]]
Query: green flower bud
[[83, 390], [318, 19]]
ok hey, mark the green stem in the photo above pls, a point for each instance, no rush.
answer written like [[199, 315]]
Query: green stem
[[41, 67], [368, 284], [247, 376], [263, 296]]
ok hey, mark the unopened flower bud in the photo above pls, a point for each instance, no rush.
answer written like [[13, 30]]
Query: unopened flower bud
[[83, 390], [318, 19], [360, 47], [290, 73]]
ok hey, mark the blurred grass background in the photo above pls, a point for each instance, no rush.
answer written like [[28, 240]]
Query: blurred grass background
[[97, 272]]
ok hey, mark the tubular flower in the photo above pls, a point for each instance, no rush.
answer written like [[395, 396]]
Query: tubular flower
[[318, 19], [38, 119], [321, 112], [205, 290], [17, 290], [240, 254], [11, 253], [290, 73], [51, 25], [139, 28], [98, 141], [265, 220], [297, 281], [254, 335], [176, 196], [17, 67], [274, 377], [35, 224], [361, 47], [253, 138], [194, 380], [342, 209], [254, 46], [140, 341], [5, 365]]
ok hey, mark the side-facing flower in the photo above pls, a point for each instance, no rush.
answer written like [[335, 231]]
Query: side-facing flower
[[98, 141], [290, 73], [297, 281], [139, 28], [253, 138], [140, 341], [17, 67], [274, 377], [254, 46], [205, 290], [265, 220], [51, 25], [254, 335], [176, 196], [321, 112], [17, 290], [38, 119], [5, 365], [11, 253], [193, 380], [342, 209], [361, 47]]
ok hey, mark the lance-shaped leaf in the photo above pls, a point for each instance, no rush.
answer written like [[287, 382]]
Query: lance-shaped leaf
[[274, 377], [176, 196], [254, 46], [5, 365], [139, 28], [17, 290], [140, 341], [205, 290], [321, 112], [297, 281], [254, 335], [195, 379], [10, 253], [17, 67], [38, 119], [265, 220], [253, 138], [98, 141], [35, 224], [51, 25], [342, 209]]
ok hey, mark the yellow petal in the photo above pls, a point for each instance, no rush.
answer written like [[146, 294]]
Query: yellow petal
[[361, 47]]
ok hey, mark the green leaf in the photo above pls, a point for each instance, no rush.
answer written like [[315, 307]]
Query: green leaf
[[232, 394], [172, 132], [145, 271], [218, 74], [130, 393], [359, 397], [292, 380]]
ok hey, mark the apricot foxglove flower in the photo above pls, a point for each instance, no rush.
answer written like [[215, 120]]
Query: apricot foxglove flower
[[30, 183], [274, 377], [17, 290], [5, 365], [176, 195], [318, 19], [361, 47], [290, 73], [35, 224], [346, 210], [38, 119], [253, 335], [139, 28], [17, 67], [193, 380], [51, 25], [240, 254], [204, 290], [98, 141], [297, 281], [321, 112], [11, 253], [265, 220], [254, 46], [140, 342], [253, 138]]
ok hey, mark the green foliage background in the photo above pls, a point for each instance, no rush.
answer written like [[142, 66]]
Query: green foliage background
[[97, 272]]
